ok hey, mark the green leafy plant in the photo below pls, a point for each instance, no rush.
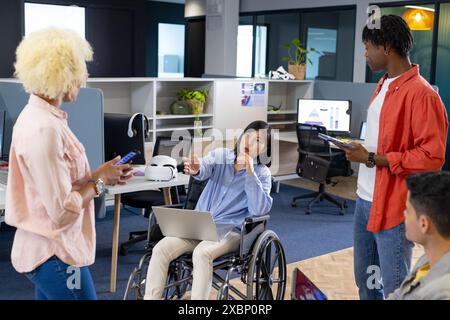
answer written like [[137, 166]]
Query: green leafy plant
[[297, 53], [196, 98], [198, 95]]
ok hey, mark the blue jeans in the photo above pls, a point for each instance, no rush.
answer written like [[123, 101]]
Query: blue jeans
[[56, 280], [381, 260]]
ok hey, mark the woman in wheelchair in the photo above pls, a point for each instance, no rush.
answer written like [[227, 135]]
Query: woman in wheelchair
[[239, 187]]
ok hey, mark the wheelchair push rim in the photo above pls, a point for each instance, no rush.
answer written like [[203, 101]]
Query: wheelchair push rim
[[266, 277]]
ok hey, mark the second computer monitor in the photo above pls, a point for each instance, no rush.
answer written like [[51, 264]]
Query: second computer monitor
[[334, 115]]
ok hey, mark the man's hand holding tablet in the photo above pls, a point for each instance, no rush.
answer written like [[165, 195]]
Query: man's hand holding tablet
[[338, 143]]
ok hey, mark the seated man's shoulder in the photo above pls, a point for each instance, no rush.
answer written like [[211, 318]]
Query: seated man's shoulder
[[438, 289]]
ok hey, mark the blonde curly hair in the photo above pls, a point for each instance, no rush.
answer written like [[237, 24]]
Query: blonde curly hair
[[52, 61]]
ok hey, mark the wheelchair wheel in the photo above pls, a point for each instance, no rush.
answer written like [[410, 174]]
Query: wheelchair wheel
[[266, 277], [136, 281], [177, 273]]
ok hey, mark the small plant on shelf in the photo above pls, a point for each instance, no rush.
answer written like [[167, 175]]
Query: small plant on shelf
[[297, 58], [196, 98]]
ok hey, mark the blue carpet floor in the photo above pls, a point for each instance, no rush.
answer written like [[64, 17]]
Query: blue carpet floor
[[302, 236]]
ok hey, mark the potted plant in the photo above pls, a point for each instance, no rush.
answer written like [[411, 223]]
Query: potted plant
[[197, 99], [297, 58]]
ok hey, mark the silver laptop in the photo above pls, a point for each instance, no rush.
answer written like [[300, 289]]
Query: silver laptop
[[189, 224]]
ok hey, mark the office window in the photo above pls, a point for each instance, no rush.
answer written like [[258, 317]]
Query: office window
[[325, 41], [443, 61], [278, 29], [244, 62], [171, 50], [423, 41], [260, 47], [39, 16], [246, 41], [333, 34], [261, 51]]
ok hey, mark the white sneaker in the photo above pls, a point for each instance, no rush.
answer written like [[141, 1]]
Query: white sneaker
[[282, 70]]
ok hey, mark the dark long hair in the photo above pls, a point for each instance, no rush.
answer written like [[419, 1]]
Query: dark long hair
[[256, 126]]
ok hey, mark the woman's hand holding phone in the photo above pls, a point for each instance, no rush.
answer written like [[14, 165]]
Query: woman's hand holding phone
[[113, 174]]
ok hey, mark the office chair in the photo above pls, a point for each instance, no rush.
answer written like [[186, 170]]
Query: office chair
[[147, 199], [317, 162]]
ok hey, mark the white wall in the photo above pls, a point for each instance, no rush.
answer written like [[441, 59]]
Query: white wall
[[359, 68]]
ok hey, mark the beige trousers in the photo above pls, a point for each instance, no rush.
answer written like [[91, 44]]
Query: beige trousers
[[204, 254]]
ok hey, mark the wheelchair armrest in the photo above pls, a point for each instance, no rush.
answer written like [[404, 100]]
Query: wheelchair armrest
[[256, 219], [248, 237]]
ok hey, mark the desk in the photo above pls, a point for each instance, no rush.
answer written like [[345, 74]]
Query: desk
[[135, 184]]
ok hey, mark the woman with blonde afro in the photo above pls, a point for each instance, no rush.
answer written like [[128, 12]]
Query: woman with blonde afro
[[50, 185]]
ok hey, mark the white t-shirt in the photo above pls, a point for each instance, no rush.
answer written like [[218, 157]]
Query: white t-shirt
[[366, 176]]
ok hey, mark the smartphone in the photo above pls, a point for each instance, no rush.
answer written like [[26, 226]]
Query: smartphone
[[127, 158], [336, 142]]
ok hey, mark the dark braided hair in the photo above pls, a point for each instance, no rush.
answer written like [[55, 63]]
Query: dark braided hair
[[394, 33]]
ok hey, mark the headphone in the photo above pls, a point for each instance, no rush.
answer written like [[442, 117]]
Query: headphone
[[132, 132]]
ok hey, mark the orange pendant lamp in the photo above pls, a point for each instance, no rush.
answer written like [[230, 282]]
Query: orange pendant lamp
[[419, 19]]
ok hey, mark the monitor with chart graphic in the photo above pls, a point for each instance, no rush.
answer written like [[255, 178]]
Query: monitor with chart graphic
[[334, 115]]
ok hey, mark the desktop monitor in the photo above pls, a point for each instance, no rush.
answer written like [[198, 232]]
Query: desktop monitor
[[362, 131], [117, 141], [334, 115]]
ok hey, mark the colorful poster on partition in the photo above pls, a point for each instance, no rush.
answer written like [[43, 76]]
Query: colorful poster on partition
[[253, 94]]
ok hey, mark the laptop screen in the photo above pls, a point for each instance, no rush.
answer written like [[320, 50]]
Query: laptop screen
[[304, 289]]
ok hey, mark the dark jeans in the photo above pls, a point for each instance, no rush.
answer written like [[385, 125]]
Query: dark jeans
[[381, 260], [56, 280]]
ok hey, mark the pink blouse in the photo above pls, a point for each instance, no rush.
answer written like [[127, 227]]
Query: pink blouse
[[47, 165]]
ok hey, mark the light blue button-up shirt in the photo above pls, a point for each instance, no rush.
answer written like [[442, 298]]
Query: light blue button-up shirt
[[233, 197]]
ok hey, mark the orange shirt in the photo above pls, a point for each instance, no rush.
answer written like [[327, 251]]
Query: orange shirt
[[413, 136]]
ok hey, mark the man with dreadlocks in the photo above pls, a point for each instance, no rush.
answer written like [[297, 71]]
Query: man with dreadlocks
[[407, 129]]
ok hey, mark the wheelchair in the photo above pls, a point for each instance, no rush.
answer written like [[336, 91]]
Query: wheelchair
[[260, 263]]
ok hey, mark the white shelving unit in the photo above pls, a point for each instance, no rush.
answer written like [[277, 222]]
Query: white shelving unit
[[223, 110], [170, 117], [271, 113], [153, 97], [284, 95]]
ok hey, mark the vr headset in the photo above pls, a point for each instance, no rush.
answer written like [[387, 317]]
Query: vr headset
[[161, 168]]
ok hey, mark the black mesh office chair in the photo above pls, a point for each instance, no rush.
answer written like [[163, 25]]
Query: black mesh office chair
[[148, 199], [319, 163]]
